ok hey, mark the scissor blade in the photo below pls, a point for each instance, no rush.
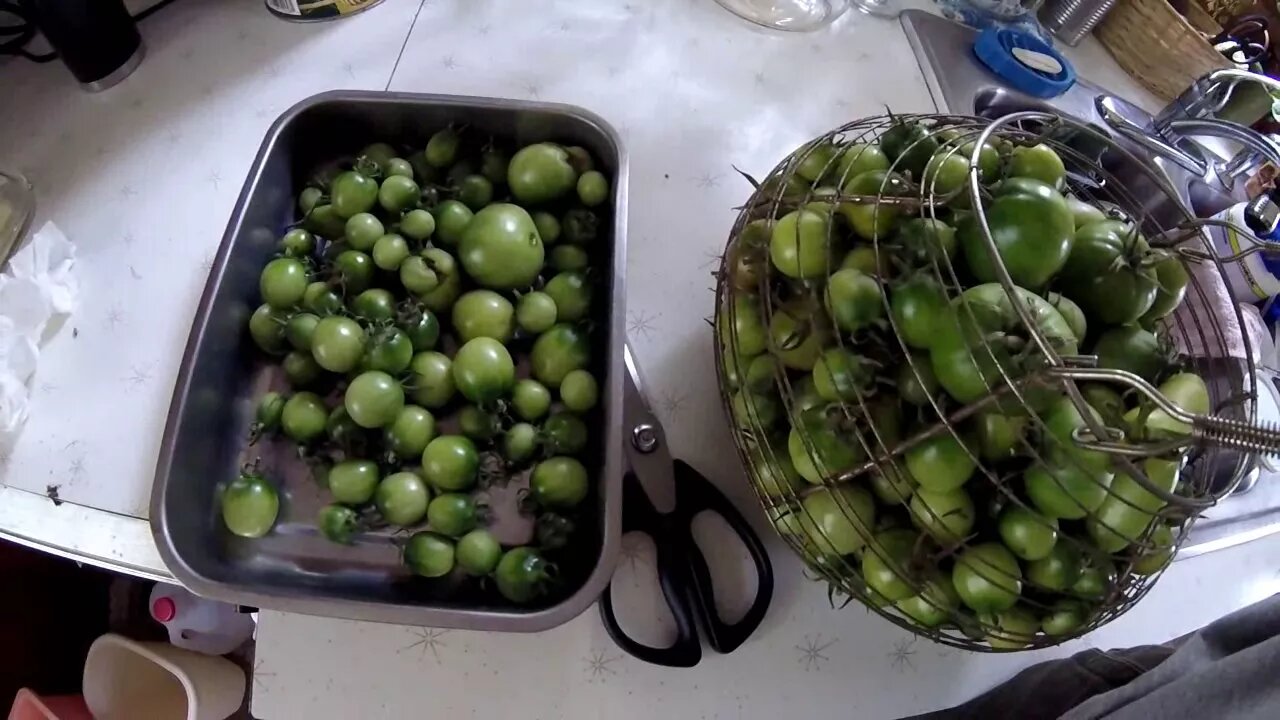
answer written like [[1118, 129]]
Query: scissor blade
[[646, 442]]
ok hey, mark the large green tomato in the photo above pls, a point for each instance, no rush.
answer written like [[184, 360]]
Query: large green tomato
[[800, 246], [934, 604], [541, 172], [500, 248], [987, 577], [1172, 277], [854, 299], [820, 452], [798, 333], [841, 518], [1058, 570], [1013, 629], [918, 307], [841, 374], [483, 370], [859, 158], [1127, 511], [1029, 535], [1111, 272], [1032, 229], [983, 323], [1070, 490], [1131, 348]]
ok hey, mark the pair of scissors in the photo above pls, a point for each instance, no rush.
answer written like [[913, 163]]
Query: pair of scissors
[[682, 569]]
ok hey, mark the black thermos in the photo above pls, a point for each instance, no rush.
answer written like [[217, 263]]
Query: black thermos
[[96, 39]]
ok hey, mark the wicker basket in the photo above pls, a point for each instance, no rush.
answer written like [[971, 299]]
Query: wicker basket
[[1158, 47]]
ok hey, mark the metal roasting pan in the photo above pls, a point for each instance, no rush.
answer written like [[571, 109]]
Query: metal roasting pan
[[222, 374]]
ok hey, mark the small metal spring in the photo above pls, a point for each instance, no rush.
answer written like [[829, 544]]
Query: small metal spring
[[1261, 437]]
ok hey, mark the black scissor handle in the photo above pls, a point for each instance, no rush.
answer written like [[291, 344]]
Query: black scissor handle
[[694, 494], [639, 515]]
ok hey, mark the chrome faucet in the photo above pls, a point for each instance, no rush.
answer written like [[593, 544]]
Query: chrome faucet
[[1194, 113]]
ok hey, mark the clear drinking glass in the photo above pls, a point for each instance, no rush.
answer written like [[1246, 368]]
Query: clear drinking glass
[[795, 15], [17, 206]]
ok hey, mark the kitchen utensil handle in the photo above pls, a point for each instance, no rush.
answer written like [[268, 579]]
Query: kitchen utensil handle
[[639, 515], [701, 494]]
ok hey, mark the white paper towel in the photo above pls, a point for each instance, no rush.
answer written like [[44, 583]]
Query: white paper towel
[[37, 286]]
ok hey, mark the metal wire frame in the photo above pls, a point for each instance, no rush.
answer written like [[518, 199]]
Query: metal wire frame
[[1087, 154]]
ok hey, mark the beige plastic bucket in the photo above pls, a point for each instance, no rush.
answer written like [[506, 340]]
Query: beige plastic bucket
[[126, 680]]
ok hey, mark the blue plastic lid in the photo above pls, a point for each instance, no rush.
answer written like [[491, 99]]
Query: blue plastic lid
[[994, 47]]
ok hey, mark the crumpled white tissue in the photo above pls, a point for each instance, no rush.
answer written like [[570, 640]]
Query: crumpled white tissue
[[37, 286]]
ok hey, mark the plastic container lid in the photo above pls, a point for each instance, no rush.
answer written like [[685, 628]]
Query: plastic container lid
[[1024, 61]]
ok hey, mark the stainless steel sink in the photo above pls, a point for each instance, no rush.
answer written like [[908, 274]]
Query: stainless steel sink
[[959, 84]]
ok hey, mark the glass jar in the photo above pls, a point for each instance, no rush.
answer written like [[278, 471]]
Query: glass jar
[[794, 15], [17, 207]]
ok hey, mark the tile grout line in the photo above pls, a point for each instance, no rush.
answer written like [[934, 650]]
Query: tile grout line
[[404, 44]]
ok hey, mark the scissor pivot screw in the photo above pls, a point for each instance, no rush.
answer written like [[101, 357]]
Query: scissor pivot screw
[[644, 438]]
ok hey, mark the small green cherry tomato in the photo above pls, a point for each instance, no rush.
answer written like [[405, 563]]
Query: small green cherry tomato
[[429, 555], [559, 482], [450, 463], [402, 498], [578, 391], [353, 482]]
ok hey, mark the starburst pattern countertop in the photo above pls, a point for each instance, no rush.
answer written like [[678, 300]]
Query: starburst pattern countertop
[[143, 178]]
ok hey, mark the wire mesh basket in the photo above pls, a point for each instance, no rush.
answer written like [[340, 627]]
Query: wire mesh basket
[[956, 410]]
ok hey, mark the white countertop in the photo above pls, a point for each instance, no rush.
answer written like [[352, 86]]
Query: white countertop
[[143, 177]]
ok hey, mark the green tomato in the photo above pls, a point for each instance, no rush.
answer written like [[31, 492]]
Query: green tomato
[[270, 409], [559, 482], [1064, 618], [1013, 629], [928, 240], [374, 304], [402, 498], [1185, 390], [578, 391], [580, 227], [536, 312], [298, 243], [946, 517], [569, 257], [1082, 212], [754, 410], [918, 307], [548, 226], [300, 368], [431, 382], [475, 191], [1000, 436], [1129, 508], [800, 246], [452, 218], [1058, 570], [450, 463], [478, 424], [539, 173], [1070, 490], [478, 552], [423, 330], [407, 436], [860, 158], [1131, 348], [493, 165], [450, 281], [363, 230], [987, 578], [874, 220], [773, 472], [1094, 583], [338, 523], [323, 220], [564, 434], [940, 464], [743, 331], [483, 313], [841, 518], [303, 417], [417, 275], [854, 300], [429, 555], [1027, 534], [398, 166], [308, 199], [1152, 560], [530, 399], [946, 173], [452, 514], [1039, 162], [501, 249], [593, 188], [283, 282], [442, 148], [418, 225], [934, 605], [519, 443], [300, 329], [355, 270], [522, 575], [1172, 279], [352, 193], [1032, 229], [909, 144], [892, 486], [559, 351], [797, 336], [373, 399], [840, 374], [390, 251], [886, 564], [321, 299], [353, 482], [572, 295], [249, 506], [483, 370], [819, 452], [761, 372]]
